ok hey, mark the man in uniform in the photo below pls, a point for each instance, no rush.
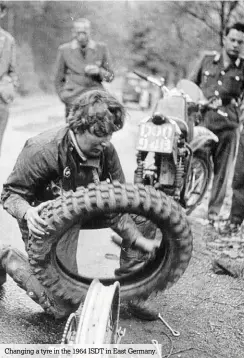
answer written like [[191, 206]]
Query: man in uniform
[[81, 64], [221, 78], [8, 76]]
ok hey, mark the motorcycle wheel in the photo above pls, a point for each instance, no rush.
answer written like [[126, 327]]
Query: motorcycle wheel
[[169, 264], [95, 322], [198, 182]]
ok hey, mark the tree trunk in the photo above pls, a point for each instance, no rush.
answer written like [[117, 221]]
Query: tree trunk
[[222, 23]]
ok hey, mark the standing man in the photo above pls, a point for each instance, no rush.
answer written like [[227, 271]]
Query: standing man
[[8, 76], [81, 64], [221, 77]]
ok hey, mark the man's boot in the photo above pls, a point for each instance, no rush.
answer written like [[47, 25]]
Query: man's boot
[[14, 263], [143, 309]]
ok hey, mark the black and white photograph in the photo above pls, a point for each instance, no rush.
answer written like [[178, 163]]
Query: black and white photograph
[[122, 178]]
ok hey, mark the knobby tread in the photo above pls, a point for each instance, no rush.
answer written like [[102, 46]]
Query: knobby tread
[[63, 212]]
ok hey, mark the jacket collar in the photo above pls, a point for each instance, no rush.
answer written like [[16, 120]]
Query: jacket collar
[[220, 56], [75, 44], [87, 162]]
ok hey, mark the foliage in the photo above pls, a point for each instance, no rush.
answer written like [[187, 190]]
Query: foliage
[[159, 37], [44, 25], [166, 37], [215, 15]]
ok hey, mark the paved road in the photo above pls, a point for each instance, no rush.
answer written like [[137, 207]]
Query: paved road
[[21, 320]]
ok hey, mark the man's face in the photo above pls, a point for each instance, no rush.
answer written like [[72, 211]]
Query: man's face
[[233, 43], [92, 145], [81, 31]]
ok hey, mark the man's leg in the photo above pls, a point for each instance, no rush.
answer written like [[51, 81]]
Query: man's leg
[[237, 207], [4, 113], [131, 260], [223, 158], [230, 260], [15, 263]]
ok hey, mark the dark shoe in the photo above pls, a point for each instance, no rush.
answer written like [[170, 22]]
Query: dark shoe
[[230, 229], [142, 310], [228, 266]]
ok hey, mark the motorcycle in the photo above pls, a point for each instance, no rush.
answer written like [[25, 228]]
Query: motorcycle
[[171, 146]]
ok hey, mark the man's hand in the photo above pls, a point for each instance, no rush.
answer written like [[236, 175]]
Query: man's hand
[[146, 245], [214, 103], [92, 70], [36, 225]]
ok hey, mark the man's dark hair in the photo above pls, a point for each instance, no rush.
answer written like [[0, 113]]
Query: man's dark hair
[[97, 109], [237, 26], [3, 6]]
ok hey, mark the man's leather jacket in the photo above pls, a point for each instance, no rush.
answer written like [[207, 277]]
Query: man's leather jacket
[[50, 159]]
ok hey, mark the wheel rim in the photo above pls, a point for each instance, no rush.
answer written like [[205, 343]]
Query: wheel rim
[[98, 323], [112, 326], [70, 330]]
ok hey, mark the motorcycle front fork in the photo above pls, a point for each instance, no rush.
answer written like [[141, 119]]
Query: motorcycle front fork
[[170, 178]]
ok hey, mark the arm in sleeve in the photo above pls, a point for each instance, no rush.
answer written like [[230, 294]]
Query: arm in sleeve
[[106, 71], [122, 224], [59, 72], [12, 66], [33, 167]]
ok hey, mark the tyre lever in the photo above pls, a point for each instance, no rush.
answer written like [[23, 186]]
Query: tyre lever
[[120, 334], [156, 345], [175, 333]]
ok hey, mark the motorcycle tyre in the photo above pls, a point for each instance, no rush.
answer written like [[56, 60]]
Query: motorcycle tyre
[[172, 258], [202, 157]]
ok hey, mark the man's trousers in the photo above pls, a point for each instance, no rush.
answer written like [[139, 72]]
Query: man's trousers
[[237, 206], [4, 114], [223, 154]]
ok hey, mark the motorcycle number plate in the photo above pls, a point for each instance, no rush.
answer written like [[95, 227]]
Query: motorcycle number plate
[[156, 138]]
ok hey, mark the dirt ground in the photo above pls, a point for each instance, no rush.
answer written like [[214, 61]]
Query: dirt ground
[[207, 309]]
